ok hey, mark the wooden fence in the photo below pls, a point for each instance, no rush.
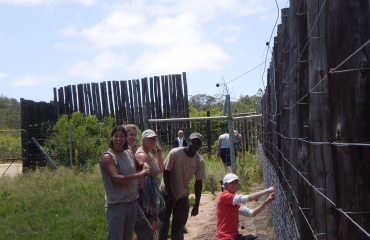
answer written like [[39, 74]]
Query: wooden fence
[[126, 101], [315, 128]]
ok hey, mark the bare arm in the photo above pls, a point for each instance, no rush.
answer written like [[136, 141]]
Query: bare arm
[[159, 158], [142, 157], [219, 146], [112, 171], [258, 209], [141, 165], [167, 182], [257, 195], [198, 193]]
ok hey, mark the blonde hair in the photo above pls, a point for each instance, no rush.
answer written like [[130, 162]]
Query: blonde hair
[[129, 127], [180, 131]]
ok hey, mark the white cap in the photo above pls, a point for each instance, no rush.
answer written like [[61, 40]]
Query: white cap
[[149, 133], [230, 177]]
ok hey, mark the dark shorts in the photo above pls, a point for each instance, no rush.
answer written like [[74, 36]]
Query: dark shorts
[[247, 237], [225, 155]]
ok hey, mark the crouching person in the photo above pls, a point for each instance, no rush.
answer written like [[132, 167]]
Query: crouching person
[[229, 207]]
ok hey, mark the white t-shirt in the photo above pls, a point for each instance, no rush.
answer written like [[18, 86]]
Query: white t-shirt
[[181, 141], [224, 139]]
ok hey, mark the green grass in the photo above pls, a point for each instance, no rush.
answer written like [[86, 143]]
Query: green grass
[[247, 169], [69, 204], [49, 204]]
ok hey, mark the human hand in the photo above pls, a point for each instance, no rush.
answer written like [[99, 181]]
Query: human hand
[[145, 171], [146, 165], [195, 211], [271, 197], [134, 148], [159, 149]]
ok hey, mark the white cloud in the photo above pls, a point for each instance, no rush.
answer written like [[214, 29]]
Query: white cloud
[[33, 81], [98, 67], [117, 29], [154, 24], [166, 35], [3, 74], [70, 47], [45, 2], [179, 58]]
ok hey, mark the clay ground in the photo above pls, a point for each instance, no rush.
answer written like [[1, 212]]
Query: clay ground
[[203, 226]]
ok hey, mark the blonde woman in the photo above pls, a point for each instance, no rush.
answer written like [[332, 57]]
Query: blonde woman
[[132, 131], [148, 190]]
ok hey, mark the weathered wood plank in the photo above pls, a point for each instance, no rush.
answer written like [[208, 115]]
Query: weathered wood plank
[[74, 98], [81, 100], [125, 102], [110, 99]]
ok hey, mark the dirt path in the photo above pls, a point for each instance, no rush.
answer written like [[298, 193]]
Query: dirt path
[[10, 170], [203, 226]]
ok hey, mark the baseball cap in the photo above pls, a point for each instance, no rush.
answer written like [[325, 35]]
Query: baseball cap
[[148, 134], [230, 177], [196, 136]]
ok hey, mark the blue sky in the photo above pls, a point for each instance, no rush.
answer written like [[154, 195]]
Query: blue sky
[[46, 44]]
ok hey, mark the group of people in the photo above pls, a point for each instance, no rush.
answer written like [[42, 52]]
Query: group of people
[[137, 203]]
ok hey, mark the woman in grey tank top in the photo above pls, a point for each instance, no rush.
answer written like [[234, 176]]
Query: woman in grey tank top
[[120, 172], [148, 187]]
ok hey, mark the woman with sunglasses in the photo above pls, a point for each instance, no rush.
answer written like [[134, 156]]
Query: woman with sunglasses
[[149, 198]]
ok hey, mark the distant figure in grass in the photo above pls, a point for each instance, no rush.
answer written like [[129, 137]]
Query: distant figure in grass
[[223, 147], [228, 209], [120, 172], [180, 141], [180, 166], [237, 142]]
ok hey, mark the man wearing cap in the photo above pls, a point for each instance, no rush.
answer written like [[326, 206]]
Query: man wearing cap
[[228, 209], [179, 167]]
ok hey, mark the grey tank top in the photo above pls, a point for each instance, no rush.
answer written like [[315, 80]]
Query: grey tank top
[[120, 193], [154, 171]]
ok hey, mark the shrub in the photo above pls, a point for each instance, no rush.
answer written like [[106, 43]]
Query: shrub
[[87, 136]]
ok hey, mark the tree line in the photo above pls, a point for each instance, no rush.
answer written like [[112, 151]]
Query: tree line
[[10, 113]]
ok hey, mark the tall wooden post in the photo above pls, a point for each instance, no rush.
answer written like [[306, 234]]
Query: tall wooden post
[[231, 133]]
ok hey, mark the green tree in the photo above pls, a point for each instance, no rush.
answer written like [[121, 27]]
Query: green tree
[[201, 103], [89, 139], [245, 104], [10, 113]]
